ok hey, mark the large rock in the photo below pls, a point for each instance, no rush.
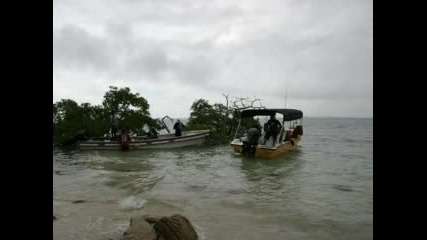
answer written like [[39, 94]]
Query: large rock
[[139, 229], [175, 227]]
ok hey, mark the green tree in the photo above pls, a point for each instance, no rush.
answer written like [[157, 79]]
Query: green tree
[[201, 113], [212, 117], [131, 109], [67, 115], [221, 120], [72, 122], [93, 120]]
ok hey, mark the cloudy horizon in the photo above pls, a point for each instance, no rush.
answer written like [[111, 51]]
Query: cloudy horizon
[[316, 54]]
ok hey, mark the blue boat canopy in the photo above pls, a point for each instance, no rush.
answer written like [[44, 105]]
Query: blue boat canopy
[[288, 114]]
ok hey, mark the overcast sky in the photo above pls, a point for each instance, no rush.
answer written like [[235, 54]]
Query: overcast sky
[[173, 52]]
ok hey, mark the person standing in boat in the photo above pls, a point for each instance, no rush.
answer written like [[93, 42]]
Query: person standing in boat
[[273, 127], [178, 126]]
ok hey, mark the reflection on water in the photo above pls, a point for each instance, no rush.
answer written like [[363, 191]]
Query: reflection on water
[[257, 169]]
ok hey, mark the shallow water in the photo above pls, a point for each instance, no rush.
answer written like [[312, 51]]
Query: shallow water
[[323, 190]]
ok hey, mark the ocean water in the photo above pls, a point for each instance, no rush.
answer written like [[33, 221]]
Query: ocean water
[[323, 190]]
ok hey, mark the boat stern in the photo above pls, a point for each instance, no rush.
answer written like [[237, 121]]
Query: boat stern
[[237, 144]]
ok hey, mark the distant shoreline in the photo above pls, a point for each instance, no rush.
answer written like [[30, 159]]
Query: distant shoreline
[[186, 118], [341, 117]]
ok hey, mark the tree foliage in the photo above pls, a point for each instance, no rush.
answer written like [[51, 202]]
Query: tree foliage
[[72, 122], [220, 119], [131, 109]]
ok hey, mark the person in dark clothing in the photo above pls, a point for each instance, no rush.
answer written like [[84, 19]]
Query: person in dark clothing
[[253, 135], [273, 127], [178, 126], [152, 133]]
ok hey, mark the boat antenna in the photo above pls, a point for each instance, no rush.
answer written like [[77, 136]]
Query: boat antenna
[[238, 127], [286, 92]]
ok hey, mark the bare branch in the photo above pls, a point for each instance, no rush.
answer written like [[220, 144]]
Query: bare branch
[[241, 103], [226, 99]]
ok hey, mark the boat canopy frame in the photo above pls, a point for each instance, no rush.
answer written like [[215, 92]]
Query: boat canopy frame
[[288, 115]]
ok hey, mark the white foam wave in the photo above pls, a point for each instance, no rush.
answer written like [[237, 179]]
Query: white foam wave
[[132, 202]]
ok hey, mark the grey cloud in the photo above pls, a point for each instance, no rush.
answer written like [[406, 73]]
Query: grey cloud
[[157, 65], [119, 30], [197, 70], [187, 12], [324, 64], [150, 62], [319, 50], [74, 47]]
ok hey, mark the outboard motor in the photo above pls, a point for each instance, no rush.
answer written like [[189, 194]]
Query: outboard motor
[[251, 141], [248, 149]]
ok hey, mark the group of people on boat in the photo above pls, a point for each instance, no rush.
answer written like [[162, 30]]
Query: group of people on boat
[[271, 128], [124, 136], [178, 127]]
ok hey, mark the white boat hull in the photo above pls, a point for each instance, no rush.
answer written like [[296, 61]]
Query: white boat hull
[[191, 138]]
